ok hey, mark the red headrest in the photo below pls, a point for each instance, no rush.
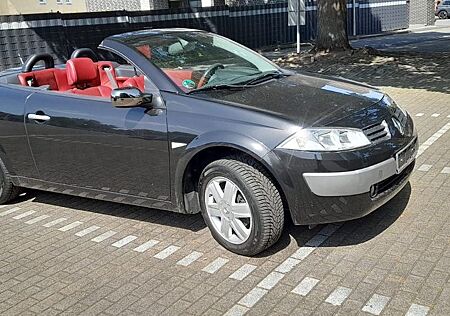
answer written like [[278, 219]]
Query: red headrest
[[81, 71]]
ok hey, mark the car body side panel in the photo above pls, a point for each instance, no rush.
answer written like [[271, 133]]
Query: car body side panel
[[14, 149], [89, 143]]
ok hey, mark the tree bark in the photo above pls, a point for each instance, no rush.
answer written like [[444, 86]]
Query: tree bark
[[332, 26]]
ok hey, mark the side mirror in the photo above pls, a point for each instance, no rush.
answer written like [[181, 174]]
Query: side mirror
[[130, 97]]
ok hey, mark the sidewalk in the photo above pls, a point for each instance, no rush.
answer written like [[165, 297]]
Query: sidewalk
[[417, 38]]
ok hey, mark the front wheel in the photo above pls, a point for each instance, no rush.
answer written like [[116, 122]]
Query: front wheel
[[443, 15], [241, 205]]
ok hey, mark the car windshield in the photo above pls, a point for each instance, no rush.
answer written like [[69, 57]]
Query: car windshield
[[196, 60]]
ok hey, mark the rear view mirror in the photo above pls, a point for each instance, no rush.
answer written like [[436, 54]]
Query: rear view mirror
[[129, 97]]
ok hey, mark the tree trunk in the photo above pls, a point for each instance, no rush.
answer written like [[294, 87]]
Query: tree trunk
[[332, 25]]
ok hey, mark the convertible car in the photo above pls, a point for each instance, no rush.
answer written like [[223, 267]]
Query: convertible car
[[189, 121]]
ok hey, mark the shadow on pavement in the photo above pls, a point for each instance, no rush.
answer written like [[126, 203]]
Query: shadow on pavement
[[360, 230], [184, 221], [393, 68]]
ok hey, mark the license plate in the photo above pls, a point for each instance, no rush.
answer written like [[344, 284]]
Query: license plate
[[405, 156]]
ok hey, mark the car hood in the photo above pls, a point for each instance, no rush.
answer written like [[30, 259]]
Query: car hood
[[306, 100]]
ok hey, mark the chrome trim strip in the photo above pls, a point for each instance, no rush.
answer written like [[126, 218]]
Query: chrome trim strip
[[350, 182]]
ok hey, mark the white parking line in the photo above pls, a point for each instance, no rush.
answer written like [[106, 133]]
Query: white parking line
[[241, 273], [146, 246], [420, 114], [446, 170], [215, 265], [14, 209], [430, 141], [271, 280], [166, 252], [338, 296], [55, 222], [435, 114], [104, 236], [24, 214], [37, 219], [376, 304], [190, 258], [275, 276], [424, 168], [236, 310], [305, 286], [252, 297], [86, 231], [124, 241], [287, 265], [417, 310], [70, 226]]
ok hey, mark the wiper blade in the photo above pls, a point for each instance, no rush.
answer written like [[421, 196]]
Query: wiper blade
[[217, 87], [265, 76]]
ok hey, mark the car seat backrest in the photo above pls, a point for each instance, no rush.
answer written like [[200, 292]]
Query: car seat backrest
[[82, 73]]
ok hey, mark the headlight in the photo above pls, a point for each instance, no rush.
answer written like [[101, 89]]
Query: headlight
[[390, 102], [326, 139]]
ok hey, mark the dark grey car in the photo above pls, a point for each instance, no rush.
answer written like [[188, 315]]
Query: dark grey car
[[443, 9], [189, 121]]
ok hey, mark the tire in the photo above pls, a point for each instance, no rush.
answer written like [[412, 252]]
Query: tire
[[443, 15], [255, 192], [8, 191]]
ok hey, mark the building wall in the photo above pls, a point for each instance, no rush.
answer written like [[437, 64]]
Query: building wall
[[113, 5], [10, 7]]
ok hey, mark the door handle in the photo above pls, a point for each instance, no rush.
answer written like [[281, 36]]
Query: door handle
[[38, 117]]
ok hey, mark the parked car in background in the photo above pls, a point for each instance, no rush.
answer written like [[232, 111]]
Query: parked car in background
[[443, 9], [189, 121]]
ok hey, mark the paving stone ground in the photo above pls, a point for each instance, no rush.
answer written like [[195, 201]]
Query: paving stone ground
[[124, 260]]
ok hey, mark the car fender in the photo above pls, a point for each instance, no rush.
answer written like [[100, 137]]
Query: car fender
[[234, 140]]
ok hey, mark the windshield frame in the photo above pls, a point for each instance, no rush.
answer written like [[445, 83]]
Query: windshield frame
[[124, 39]]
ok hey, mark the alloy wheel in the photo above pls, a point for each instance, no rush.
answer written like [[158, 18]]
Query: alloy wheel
[[228, 210]]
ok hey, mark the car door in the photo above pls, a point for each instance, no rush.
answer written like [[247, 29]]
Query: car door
[[85, 142]]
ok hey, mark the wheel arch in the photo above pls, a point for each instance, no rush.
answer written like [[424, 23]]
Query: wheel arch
[[198, 157]]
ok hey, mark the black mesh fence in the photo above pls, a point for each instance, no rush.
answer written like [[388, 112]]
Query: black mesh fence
[[255, 26]]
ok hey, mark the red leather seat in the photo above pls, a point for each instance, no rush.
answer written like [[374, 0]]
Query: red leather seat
[[84, 75], [56, 78], [100, 91], [137, 82]]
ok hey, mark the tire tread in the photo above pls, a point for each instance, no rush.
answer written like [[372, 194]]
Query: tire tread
[[269, 200]]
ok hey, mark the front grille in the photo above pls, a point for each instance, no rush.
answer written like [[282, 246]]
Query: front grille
[[377, 132]]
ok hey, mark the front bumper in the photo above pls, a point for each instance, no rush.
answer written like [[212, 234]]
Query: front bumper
[[357, 181], [335, 191]]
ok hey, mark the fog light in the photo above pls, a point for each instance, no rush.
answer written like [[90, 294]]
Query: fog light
[[373, 191]]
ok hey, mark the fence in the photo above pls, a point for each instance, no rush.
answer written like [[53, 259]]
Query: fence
[[253, 26]]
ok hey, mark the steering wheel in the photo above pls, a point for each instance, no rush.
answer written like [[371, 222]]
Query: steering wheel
[[84, 52], [34, 59], [209, 73]]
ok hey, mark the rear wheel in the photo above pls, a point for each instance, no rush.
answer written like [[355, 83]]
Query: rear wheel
[[241, 205], [8, 191], [443, 15]]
